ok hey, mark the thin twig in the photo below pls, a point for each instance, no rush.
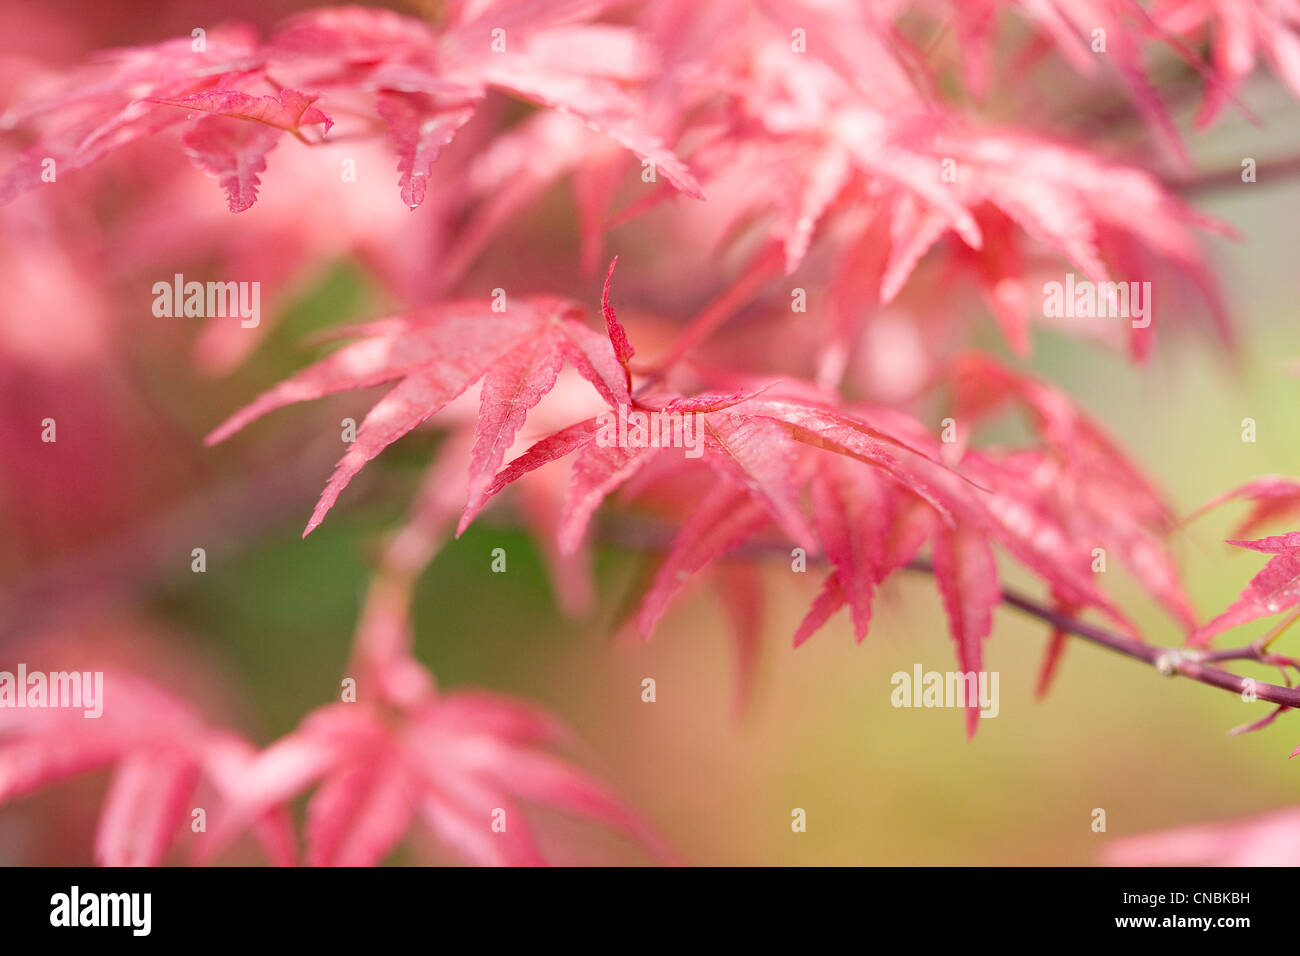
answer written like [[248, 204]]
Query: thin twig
[[1189, 662], [1193, 663], [1266, 173]]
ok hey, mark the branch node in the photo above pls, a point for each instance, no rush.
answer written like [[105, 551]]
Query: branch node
[[1167, 663]]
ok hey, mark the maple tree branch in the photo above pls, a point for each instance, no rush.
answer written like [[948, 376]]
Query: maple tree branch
[[1188, 662], [1194, 663], [1265, 173]]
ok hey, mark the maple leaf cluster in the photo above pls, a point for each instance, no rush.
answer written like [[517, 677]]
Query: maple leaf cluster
[[779, 145]]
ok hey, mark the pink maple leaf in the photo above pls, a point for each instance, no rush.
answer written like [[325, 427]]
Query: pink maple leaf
[[287, 110], [1100, 497], [419, 84], [1271, 839], [967, 575], [464, 763], [1239, 31], [1273, 590], [419, 127], [1274, 497], [233, 152], [436, 354], [159, 749]]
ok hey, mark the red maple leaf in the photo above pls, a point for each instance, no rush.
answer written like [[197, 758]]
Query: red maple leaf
[[462, 762], [419, 84], [436, 354], [1275, 589], [160, 749]]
